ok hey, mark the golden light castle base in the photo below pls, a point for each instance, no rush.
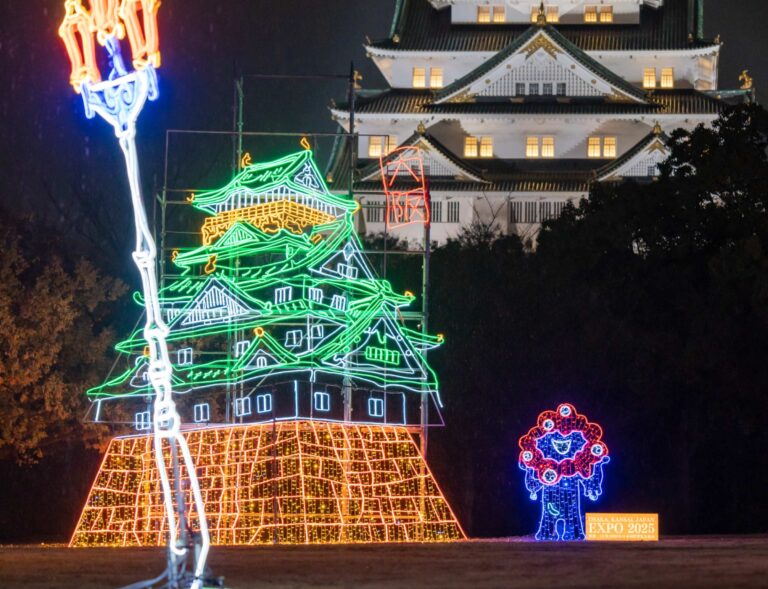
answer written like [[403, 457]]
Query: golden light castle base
[[293, 482]]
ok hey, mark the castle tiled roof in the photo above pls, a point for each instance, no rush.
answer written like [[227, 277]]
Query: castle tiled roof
[[497, 175], [660, 102], [418, 26], [432, 142]]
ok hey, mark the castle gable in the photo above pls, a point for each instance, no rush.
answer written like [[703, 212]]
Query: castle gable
[[642, 161], [214, 304], [540, 62]]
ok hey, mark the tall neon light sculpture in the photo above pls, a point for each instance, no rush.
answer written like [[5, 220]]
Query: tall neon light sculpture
[[563, 457], [119, 100]]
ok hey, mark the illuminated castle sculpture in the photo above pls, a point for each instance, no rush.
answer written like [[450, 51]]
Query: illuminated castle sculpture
[[291, 359], [563, 458], [520, 105]]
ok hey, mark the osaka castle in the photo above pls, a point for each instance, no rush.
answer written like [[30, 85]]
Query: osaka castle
[[519, 106], [295, 373]]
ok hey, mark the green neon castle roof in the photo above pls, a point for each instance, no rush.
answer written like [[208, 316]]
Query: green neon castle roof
[[263, 285], [297, 171]]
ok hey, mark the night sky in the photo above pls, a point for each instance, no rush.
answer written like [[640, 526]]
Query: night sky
[[49, 153]]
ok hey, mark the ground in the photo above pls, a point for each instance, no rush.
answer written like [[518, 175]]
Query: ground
[[727, 562]]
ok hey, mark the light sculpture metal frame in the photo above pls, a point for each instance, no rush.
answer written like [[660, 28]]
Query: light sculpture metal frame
[[119, 100], [563, 458]]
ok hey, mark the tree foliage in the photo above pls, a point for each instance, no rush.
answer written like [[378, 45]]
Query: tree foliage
[[647, 307], [53, 341]]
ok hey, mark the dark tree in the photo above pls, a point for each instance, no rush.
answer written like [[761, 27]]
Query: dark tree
[[646, 306]]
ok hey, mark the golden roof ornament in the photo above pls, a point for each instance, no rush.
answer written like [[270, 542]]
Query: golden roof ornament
[[746, 80], [657, 129], [540, 41], [421, 129], [396, 38], [541, 17]]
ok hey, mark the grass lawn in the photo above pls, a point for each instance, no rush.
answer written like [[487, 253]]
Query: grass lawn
[[673, 563]]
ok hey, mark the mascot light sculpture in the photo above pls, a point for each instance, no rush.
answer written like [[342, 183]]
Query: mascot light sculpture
[[563, 458], [118, 99]]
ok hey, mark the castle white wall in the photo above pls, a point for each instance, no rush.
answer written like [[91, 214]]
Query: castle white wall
[[509, 133], [692, 68], [513, 213], [569, 11]]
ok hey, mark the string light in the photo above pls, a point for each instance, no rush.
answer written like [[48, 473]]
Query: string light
[[140, 18], [303, 482], [563, 458]]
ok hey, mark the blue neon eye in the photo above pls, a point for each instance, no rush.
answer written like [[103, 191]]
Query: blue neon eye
[[549, 475], [548, 424], [565, 411], [527, 456], [597, 449]]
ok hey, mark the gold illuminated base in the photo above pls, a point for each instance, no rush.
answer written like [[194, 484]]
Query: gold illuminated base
[[297, 482]]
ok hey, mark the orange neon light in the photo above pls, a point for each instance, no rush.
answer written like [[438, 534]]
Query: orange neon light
[[97, 20], [76, 32], [210, 267], [105, 20], [308, 482], [140, 18], [270, 217]]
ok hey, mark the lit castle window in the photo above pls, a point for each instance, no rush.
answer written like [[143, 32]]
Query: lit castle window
[[242, 406], [202, 412], [322, 401], [419, 77], [184, 357], [264, 403], [283, 294], [376, 407], [241, 347], [667, 77], [649, 77], [436, 77], [142, 421]]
